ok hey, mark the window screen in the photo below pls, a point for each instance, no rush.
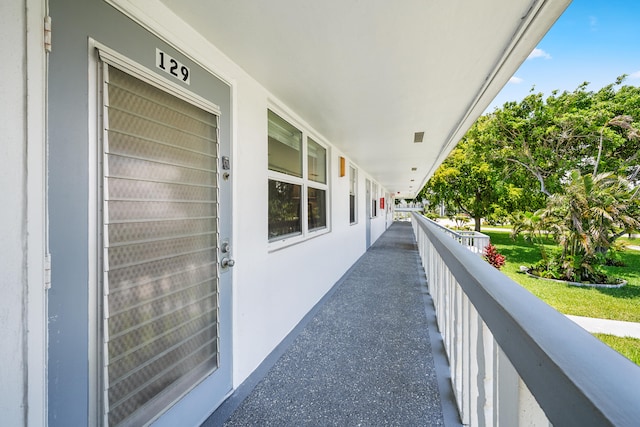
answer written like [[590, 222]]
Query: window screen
[[160, 212]]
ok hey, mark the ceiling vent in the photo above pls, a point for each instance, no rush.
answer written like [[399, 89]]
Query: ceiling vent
[[418, 137]]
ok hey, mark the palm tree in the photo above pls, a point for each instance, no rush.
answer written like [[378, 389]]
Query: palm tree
[[530, 224], [586, 217]]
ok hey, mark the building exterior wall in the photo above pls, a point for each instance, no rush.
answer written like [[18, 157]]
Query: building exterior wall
[[273, 288], [12, 217], [22, 371]]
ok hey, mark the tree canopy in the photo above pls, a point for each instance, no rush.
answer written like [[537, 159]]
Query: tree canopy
[[516, 157]]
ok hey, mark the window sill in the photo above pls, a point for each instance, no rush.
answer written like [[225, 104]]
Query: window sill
[[279, 244]]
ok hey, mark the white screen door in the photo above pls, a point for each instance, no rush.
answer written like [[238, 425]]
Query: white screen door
[[161, 274]]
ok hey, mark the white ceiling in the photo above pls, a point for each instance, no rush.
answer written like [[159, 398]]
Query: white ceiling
[[367, 74]]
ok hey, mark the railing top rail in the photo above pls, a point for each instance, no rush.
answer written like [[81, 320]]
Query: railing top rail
[[408, 209], [576, 379], [465, 233]]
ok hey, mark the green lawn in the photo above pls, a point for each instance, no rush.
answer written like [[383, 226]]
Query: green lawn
[[617, 304], [628, 347]]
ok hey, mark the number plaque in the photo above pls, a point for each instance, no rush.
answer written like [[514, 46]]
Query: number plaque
[[172, 66]]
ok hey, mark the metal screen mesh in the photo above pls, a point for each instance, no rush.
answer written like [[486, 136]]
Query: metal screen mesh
[[160, 245]]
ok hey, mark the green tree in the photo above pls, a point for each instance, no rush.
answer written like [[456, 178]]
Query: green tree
[[474, 181], [515, 158], [585, 219], [549, 137], [467, 181]]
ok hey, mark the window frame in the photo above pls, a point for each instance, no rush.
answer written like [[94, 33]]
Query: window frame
[[278, 242]]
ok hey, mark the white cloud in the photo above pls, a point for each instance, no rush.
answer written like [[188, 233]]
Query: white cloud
[[539, 53], [515, 80], [635, 75]]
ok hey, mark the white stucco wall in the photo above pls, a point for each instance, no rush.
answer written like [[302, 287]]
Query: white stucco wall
[[272, 290]]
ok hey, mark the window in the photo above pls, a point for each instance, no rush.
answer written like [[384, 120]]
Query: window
[[297, 188], [353, 185], [374, 200]]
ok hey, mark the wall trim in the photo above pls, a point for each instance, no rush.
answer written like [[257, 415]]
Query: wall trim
[[36, 330]]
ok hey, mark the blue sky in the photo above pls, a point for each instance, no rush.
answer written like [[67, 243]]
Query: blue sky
[[594, 41]]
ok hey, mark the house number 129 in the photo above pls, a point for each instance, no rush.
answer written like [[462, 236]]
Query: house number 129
[[171, 66]]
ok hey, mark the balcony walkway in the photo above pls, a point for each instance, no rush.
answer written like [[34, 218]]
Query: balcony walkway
[[369, 354]]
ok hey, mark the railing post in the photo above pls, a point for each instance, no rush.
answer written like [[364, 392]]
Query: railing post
[[488, 377], [475, 344], [530, 413], [457, 352], [508, 383]]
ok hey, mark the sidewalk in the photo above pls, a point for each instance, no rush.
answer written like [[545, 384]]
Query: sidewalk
[[606, 326]]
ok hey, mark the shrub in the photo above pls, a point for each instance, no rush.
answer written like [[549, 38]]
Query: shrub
[[461, 221], [493, 257], [432, 215], [572, 268]]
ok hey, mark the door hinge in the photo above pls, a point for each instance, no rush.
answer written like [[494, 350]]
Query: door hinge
[[47, 271], [47, 34]]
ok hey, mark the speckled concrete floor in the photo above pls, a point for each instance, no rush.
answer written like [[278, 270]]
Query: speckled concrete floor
[[365, 357]]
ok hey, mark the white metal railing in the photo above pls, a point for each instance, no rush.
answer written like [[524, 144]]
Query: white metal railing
[[473, 240], [514, 360], [409, 207]]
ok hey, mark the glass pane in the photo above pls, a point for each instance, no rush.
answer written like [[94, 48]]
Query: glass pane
[[317, 209], [285, 143], [284, 209], [374, 200], [352, 208], [317, 161]]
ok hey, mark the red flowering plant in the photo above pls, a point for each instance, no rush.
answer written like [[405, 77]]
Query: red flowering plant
[[493, 257]]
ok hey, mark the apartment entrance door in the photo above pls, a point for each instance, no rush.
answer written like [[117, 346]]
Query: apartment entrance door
[[165, 251]]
